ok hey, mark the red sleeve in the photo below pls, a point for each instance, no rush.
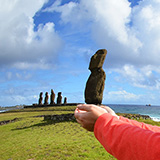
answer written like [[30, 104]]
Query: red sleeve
[[141, 125], [125, 141]]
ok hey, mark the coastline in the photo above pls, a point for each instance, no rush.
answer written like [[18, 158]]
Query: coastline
[[128, 111], [134, 116], [127, 115]]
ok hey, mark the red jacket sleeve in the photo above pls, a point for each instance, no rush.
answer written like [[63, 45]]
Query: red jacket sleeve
[[126, 141], [141, 125]]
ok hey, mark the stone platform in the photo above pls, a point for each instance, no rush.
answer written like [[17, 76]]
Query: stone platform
[[50, 105]]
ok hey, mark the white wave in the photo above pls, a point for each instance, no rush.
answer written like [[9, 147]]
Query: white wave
[[156, 119]]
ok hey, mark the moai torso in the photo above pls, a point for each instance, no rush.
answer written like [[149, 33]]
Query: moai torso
[[96, 81], [40, 98], [65, 100], [59, 98], [52, 97], [46, 98]]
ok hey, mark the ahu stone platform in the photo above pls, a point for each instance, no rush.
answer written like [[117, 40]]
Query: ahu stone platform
[[50, 105], [60, 118]]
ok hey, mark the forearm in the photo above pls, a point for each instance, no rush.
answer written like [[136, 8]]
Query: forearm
[[125, 141], [140, 124]]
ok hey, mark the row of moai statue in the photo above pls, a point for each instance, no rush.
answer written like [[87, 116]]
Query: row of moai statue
[[52, 98]]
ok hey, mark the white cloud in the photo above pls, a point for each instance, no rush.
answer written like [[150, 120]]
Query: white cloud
[[108, 23], [143, 77], [20, 43], [41, 64], [130, 34], [146, 22], [121, 97], [11, 76], [66, 10], [17, 100]]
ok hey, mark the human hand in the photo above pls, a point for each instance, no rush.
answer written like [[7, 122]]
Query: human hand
[[87, 114], [109, 110]]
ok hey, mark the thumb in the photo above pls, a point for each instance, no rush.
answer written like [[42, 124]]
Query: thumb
[[85, 107]]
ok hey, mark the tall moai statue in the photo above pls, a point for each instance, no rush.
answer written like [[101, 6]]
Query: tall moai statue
[[40, 98], [46, 98], [65, 100], [96, 81], [52, 97], [59, 98]]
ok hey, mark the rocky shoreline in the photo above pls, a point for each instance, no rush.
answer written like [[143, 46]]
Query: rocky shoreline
[[135, 116]]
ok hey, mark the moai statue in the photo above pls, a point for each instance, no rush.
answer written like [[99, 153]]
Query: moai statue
[[46, 98], [59, 98], [65, 100], [40, 98], [96, 81], [52, 97]]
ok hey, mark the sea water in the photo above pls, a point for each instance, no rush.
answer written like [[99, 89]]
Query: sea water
[[152, 111]]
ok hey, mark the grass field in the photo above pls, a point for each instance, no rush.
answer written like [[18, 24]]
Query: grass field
[[30, 137]]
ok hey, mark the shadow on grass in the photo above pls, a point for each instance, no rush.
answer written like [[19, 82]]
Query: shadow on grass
[[8, 121]]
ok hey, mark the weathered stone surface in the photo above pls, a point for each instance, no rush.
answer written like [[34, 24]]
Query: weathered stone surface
[[97, 59], [65, 100], [59, 98], [46, 98], [52, 97], [94, 87], [9, 121], [59, 118], [96, 81], [40, 98]]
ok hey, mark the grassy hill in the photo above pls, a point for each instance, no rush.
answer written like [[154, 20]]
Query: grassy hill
[[28, 136]]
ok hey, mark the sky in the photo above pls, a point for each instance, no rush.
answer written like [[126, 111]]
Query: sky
[[47, 44]]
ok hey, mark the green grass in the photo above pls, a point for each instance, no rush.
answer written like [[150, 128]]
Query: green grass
[[32, 138]]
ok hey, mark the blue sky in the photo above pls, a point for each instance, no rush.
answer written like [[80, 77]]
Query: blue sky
[[47, 44]]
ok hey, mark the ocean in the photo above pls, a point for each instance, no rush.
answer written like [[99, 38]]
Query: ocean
[[152, 111]]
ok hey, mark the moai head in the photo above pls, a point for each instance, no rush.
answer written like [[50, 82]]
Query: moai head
[[46, 94], [59, 94], [41, 94], [52, 91], [97, 59]]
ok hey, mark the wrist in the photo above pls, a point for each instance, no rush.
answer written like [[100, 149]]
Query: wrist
[[115, 115]]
